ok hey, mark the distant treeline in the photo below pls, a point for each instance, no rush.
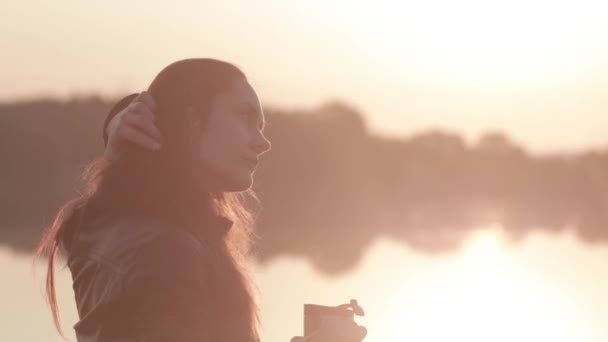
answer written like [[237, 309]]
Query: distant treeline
[[328, 187]]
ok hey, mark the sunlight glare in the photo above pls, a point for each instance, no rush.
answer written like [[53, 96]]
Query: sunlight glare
[[477, 42], [485, 297]]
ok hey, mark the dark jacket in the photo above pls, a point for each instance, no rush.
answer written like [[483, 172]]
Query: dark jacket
[[137, 279]]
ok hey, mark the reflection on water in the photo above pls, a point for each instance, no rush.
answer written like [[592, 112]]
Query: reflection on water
[[547, 288]]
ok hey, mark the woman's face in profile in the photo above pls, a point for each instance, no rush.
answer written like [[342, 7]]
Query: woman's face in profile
[[233, 139]]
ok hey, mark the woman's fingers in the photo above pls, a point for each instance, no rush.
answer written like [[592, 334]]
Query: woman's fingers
[[352, 333], [361, 332], [147, 99], [142, 119], [135, 124], [338, 330], [349, 331], [133, 135]]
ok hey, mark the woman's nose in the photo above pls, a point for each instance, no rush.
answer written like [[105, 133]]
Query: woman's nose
[[263, 145]]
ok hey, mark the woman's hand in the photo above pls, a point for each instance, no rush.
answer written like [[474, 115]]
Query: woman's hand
[[336, 331], [135, 124]]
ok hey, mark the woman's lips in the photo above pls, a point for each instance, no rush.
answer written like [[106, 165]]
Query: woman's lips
[[252, 164]]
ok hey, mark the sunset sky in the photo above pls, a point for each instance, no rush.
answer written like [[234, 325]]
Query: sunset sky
[[536, 70], [468, 66]]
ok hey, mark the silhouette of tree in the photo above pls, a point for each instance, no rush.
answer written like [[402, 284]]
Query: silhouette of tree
[[328, 187]]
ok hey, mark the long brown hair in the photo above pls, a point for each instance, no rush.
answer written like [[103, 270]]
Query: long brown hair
[[165, 185]]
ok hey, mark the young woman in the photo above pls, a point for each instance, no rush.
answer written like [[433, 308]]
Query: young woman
[[157, 244]]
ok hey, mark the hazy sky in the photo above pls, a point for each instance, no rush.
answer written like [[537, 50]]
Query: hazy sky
[[536, 69]]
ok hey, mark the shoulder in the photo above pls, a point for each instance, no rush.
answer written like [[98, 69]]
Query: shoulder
[[169, 264], [144, 245], [169, 250], [163, 243]]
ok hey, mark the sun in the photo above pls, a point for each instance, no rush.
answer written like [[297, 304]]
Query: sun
[[484, 297], [476, 43]]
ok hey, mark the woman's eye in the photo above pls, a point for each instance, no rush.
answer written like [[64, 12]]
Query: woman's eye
[[248, 115]]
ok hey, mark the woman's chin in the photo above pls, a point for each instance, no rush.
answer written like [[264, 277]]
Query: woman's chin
[[243, 183]]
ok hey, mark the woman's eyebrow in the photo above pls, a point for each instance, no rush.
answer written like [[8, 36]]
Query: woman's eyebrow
[[254, 109], [251, 107]]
